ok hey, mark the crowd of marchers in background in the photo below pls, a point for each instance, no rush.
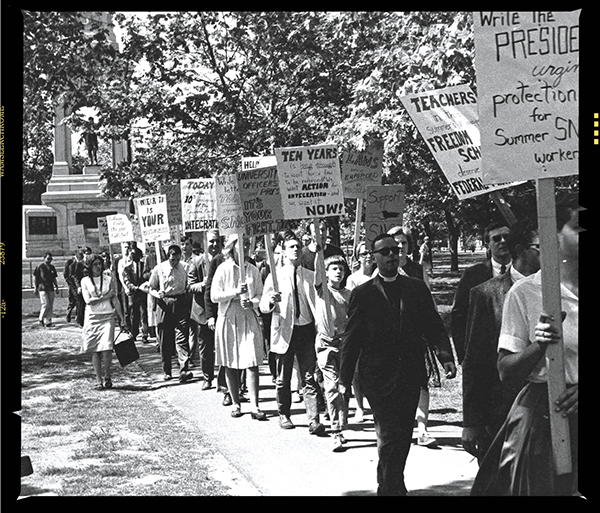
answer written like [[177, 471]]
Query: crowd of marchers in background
[[366, 327]]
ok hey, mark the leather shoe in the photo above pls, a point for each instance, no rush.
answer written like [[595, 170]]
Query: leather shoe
[[206, 385], [236, 412], [258, 415], [316, 428], [285, 422], [185, 376], [227, 399]]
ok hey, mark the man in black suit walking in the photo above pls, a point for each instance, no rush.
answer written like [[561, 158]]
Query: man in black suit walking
[[390, 319], [486, 400], [134, 277], [496, 238]]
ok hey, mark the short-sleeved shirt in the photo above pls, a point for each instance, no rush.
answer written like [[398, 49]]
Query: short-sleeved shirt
[[335, 324], [522, 309], [173, 278]]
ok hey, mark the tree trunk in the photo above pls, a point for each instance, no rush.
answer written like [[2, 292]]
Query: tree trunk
[[454, 233]]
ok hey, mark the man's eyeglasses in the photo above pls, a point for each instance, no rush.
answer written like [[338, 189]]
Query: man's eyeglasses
[[387, 250], [498, 238], [364, 254], [534, 246]]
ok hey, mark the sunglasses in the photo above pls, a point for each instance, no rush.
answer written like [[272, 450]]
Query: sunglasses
[[387, 250], [498, 238]]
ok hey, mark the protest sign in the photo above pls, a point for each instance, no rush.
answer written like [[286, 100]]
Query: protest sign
[[449, 123], [173, 194], [384, 209], [360, 169], [76, 236], [230, 216], [103, 239], [310, 181], [261, 201], [119, 228], [198, 209], [527, 66], [249, 163], [153, 218]]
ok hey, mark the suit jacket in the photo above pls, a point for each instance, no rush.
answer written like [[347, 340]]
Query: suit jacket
[[133, 280], [486, 401], [284, 312], [196, 287], [391, 344], [471, 277]]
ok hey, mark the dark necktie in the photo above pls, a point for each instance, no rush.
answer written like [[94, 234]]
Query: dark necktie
[[502, 269], [296, 297]]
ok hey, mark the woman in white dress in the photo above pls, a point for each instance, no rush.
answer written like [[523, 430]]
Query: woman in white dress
[[99, 292], [238, 334]]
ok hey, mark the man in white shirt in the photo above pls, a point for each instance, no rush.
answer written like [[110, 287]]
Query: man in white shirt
[[168, 285], [293, 332]]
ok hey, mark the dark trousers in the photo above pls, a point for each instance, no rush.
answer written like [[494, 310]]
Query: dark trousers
[[394, 417], [302, 345], [172, 335], [138, 314], [206, 348]]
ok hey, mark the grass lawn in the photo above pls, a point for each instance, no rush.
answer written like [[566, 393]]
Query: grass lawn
[[82, 442], [129, 441]]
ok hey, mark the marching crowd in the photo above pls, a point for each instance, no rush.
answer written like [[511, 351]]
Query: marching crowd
[[329, 330]]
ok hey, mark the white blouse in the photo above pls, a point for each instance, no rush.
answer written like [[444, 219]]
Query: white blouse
[[522, 309], [90, 288]]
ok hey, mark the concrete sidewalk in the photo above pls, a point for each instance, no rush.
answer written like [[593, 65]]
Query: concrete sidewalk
[[277, 462]]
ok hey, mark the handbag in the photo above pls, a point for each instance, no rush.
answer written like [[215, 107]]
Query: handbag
[[125, 349]]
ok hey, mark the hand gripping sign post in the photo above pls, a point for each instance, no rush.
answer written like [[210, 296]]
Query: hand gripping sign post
[[360, 169], [527, 81], [311, 186], [449, 123]]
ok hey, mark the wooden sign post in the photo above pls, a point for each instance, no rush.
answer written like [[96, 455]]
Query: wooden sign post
[[559, 425]]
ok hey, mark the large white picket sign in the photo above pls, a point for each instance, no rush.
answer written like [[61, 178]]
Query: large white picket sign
[[198, 208], [119, 228], [527, 66], [449, 123], [310, 181], [153, 218]]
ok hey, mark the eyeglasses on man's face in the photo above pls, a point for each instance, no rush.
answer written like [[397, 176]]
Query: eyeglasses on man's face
[[387, 250], [500, 236]]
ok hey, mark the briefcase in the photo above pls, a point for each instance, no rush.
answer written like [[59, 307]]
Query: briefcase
[[125, 349]]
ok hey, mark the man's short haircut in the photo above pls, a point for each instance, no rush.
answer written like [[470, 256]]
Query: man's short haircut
[[494, 225], [289, 235], [521, 234], [175, 249], [380, 237]]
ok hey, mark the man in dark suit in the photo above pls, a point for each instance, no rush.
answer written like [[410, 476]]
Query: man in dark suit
[[134, 277], [390, 319], [486, 401], [495, 237]]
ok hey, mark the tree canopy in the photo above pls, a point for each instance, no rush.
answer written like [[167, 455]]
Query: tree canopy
[[211, 87]]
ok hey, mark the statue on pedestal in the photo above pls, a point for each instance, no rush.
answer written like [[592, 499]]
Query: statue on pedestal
[[90, 138]]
